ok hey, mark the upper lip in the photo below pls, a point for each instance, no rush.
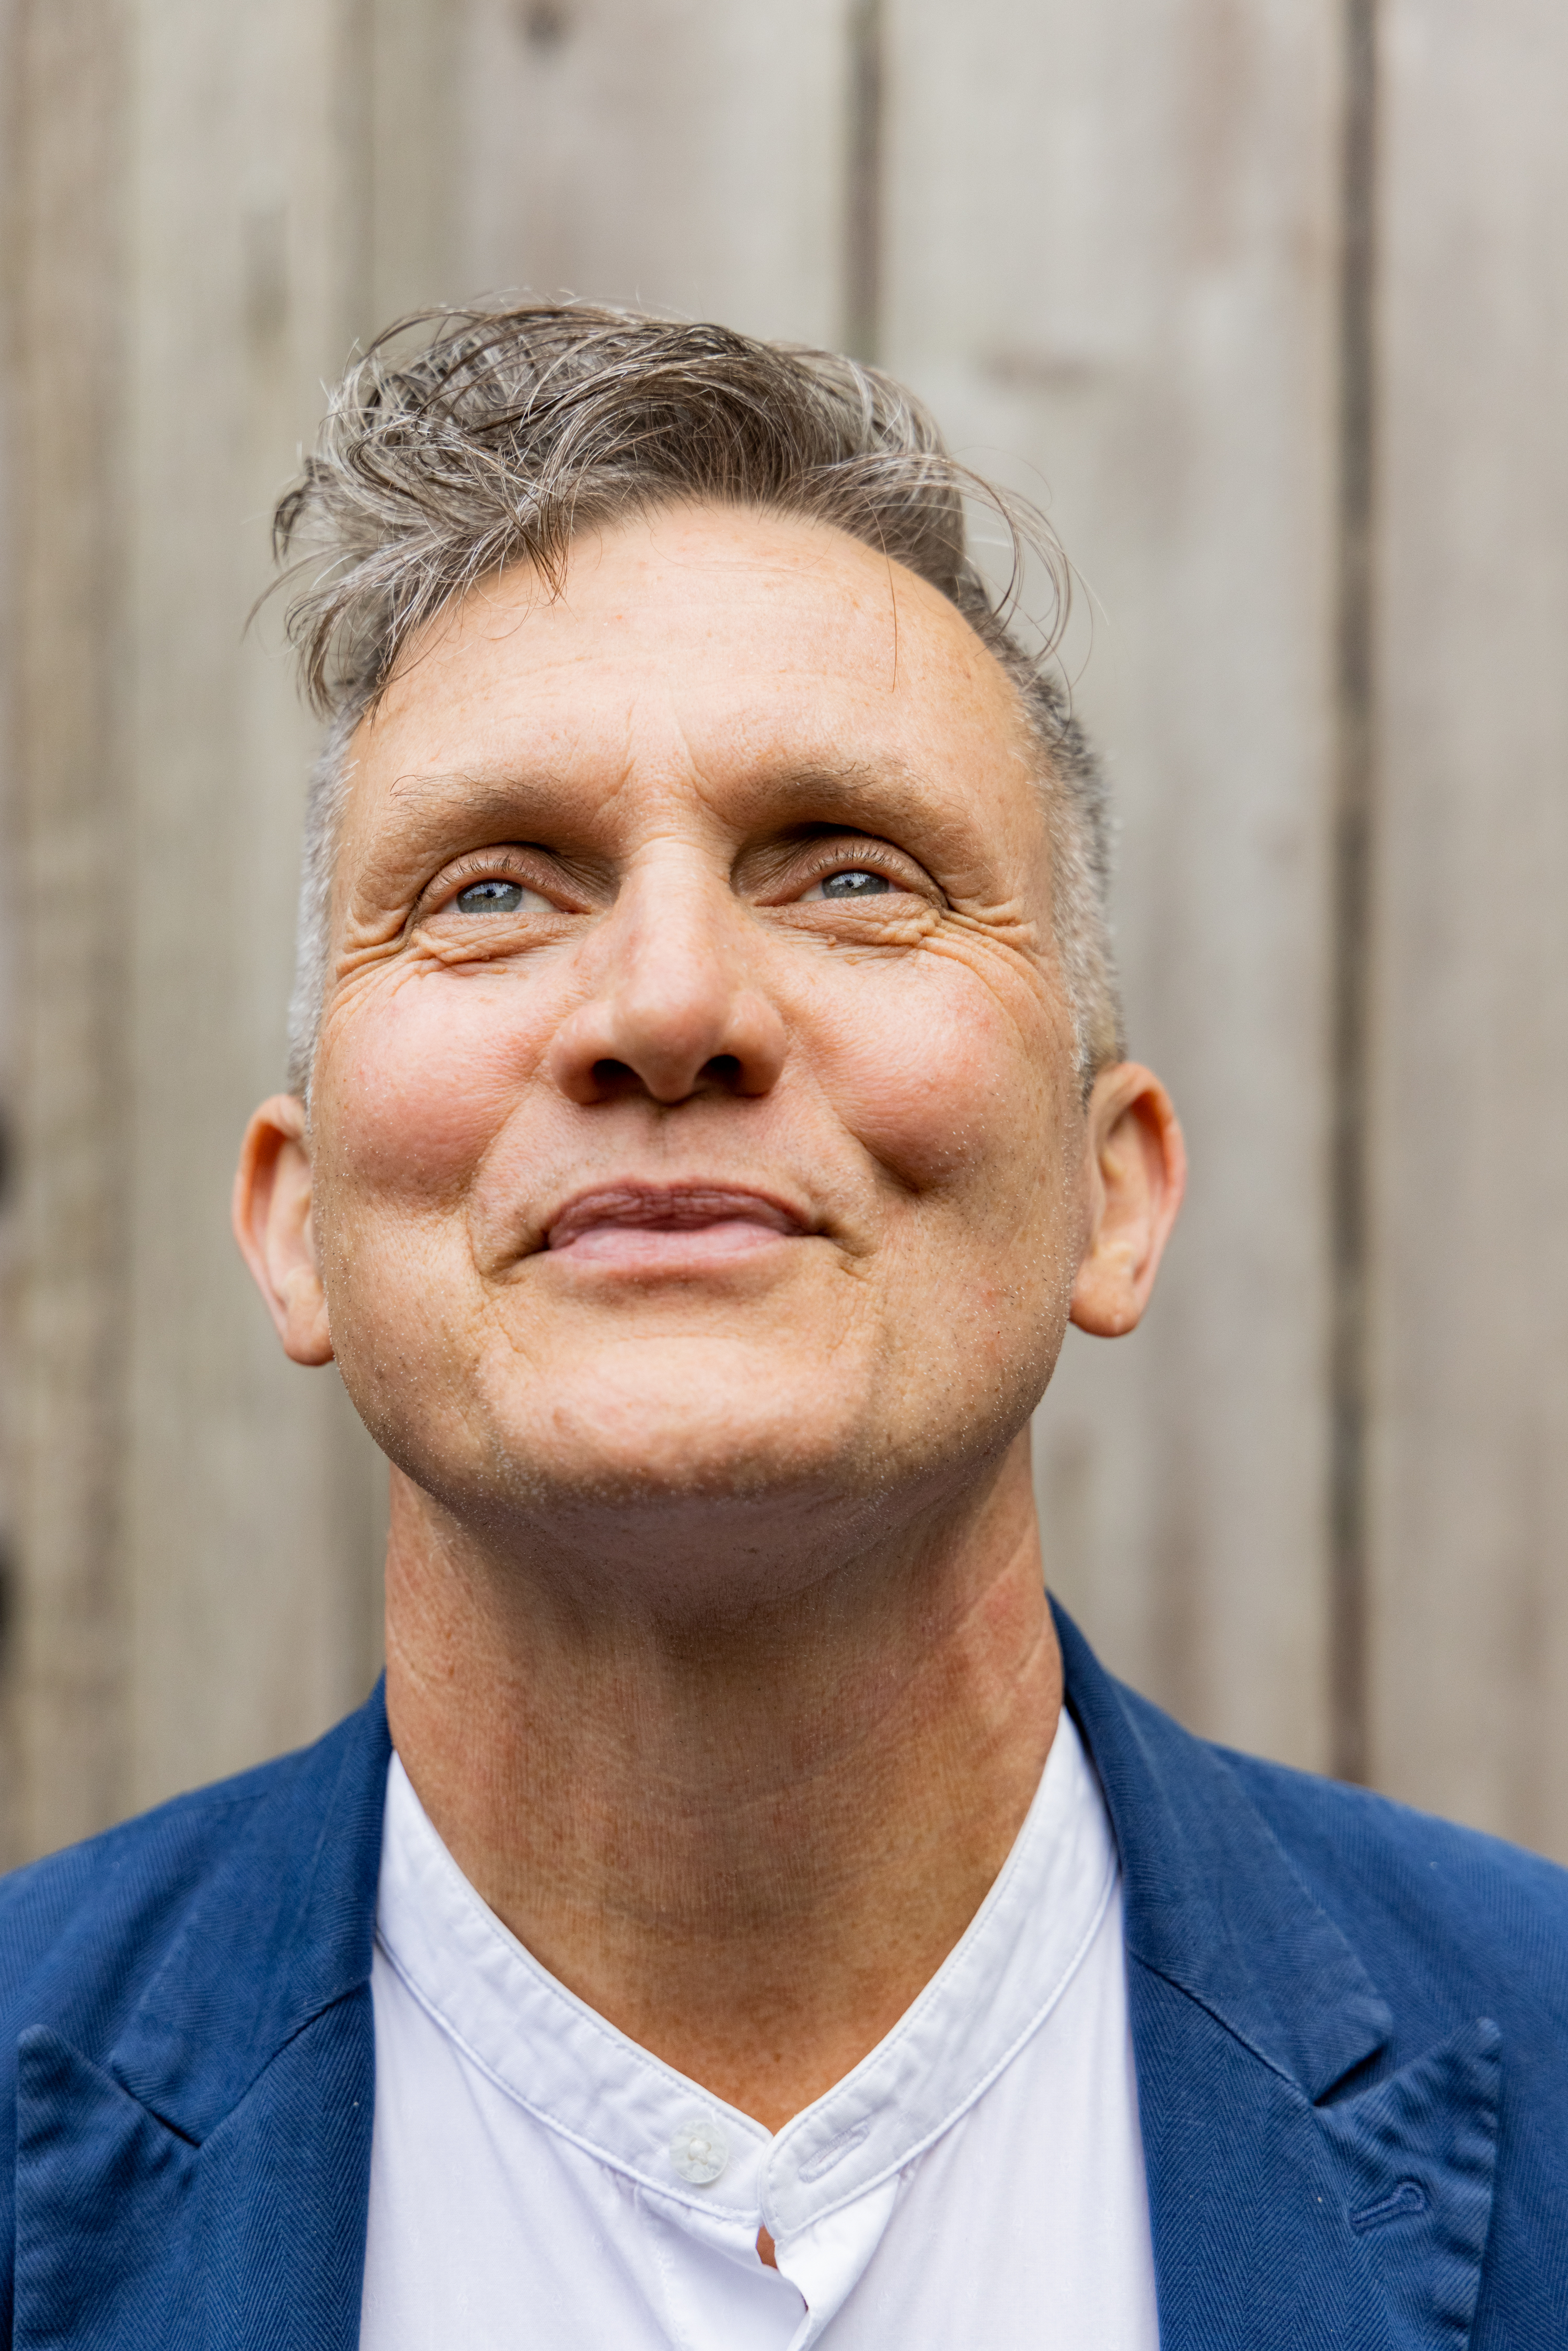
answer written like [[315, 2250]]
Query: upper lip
[[671, 1206]]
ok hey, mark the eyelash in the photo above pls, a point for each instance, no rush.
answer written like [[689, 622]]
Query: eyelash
[[496, 865], [865, 856]]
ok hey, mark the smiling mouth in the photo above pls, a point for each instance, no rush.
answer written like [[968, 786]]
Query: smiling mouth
[[648, 1226]]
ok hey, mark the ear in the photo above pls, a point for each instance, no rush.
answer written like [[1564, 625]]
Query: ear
[[1137, 1175], [272, 1226]]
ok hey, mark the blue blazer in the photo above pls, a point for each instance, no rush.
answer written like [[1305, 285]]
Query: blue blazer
[[1349, 2022]]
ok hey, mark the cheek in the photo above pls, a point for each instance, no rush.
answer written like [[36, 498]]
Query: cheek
[[416, 1077], [965, 1092], [952, 1083]]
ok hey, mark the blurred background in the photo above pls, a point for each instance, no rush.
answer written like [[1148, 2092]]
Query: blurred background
[[1265, 299]]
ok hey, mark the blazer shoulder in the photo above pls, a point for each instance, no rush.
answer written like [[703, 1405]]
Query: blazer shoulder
[[82, 1930], [1430, 1905]]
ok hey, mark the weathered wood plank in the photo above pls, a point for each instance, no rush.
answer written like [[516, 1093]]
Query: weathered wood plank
[[250, 1512], [1111, 266], [688, 153], [67, 1708], [1470, 1597], [195, 1525]]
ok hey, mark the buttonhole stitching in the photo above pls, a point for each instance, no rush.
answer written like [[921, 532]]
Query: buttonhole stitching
[[1410, 2197], [835, 2150]]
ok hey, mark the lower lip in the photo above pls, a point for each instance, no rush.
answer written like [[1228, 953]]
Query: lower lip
[[654, 1248]]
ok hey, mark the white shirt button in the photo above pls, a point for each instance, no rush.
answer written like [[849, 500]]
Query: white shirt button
[[699, 2151]]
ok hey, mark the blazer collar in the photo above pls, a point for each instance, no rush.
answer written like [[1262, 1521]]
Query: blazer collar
[[285, 1929], [286, 1924], [207, 2180], [1287, 2203], [1211, 1902]]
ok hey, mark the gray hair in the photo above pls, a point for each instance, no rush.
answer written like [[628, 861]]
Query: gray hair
[[512, 429]]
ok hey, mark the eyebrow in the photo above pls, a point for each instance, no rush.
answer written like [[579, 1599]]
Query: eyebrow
[[498, 796], [483, 790]]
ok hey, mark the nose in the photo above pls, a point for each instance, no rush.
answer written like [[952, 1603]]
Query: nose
[[676, 1007]]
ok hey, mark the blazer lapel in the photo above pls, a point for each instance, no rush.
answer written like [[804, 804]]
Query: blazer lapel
[[1287, 2206], [206, 2185]]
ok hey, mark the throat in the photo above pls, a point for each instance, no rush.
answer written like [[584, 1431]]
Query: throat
[[748, 1850]]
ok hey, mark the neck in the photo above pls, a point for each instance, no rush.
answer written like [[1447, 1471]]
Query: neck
[[746, 1835]]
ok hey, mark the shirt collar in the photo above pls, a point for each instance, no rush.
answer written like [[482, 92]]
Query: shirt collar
[[583, 2078]]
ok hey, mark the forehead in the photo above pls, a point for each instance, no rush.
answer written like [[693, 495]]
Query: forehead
[[722, 652]]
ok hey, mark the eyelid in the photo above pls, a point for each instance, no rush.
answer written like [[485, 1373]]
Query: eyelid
[[510, 863], [865, 853], [537, 871]]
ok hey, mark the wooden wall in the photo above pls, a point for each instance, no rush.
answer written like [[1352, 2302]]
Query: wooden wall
[[191, 1530], [1244, 294], [1469, 1140]]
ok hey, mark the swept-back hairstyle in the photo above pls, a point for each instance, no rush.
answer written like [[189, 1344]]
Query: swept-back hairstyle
[[507, 430]]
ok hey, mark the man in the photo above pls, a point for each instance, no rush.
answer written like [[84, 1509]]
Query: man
[[767, 1925]]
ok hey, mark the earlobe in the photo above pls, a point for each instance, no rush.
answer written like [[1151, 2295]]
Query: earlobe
[[1137, 1176], [272, 1224]]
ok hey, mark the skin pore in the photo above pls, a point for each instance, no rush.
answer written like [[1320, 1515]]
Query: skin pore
[[696, 1189]]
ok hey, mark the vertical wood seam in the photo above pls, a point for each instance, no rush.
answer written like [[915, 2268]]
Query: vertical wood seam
[[1353, 843], [864, 183]]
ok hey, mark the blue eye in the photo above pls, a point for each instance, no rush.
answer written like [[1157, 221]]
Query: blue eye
[[859, 884], [490, 898]]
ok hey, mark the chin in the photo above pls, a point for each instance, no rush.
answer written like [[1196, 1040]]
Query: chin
[[644, 1432], [654, 1429]]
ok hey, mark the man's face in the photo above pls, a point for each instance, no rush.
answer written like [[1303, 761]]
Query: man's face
[[695, 1111]]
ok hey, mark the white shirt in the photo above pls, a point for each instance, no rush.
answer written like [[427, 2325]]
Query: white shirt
[[537, 2178]]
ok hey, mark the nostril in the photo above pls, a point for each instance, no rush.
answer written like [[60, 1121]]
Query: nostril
[[608, 1078]]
